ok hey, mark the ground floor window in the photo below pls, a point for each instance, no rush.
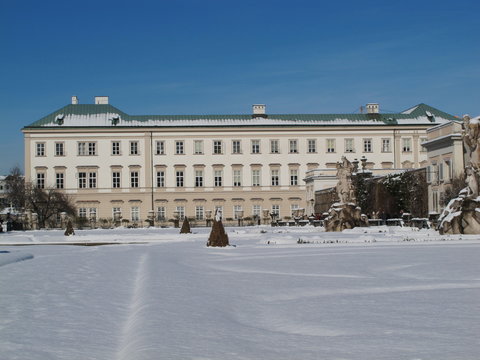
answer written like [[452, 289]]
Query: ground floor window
[[82, 212], [92, 213], [199, 213], [116, 211], [293, 207], [236, 210], [161, 213], [276, 209], [181, 212], [135, 213]]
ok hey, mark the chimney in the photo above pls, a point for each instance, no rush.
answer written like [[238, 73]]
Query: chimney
[[74, 100], [258, 110], [101, 100], [373, 108]]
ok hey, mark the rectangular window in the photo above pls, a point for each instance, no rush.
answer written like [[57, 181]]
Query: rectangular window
[[116, 179], [293, 146], [87, 148], [349, 146], [82, 180], [440, 171], [199, 212], [448, 170], [161, 213], [160, 178], [59, 149], [217, 147], [82, 212], [236, 211], [92, 213], [367, 145], [60, 180], [276, 209], [255, 177], [92, 180], [159, 147], [134, 179], [293, 177], [257, 210], [181, 212], [330, 145], [198, 178], [217, 177], [275, 176], [179, 147], [116, 212], [82, 148], [386, 145], [40, 149], [255, 146], [179, 178], [312, 146], [237, 177], [135, 213], [198, 147], [115, 147], [92, 148], [40, 180], [407, 145], [293, 208], [274, 147], [236, 147], [134, 148]]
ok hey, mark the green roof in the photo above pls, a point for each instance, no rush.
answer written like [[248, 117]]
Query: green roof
[[101, 115]]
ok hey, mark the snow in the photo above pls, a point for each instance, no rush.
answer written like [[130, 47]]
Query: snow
[[105, 119], [367, 293]]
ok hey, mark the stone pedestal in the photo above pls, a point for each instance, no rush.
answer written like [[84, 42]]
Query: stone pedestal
[[343, 216]]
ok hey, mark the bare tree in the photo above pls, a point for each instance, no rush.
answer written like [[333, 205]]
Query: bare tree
[[15, 183], [456, 185], [47, 203]]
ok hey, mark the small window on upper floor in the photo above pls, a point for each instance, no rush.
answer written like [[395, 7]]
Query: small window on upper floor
[[179, 147], [134, 149], [40, 149]]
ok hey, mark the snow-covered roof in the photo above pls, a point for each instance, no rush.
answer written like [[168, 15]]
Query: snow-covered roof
[[105, 115]]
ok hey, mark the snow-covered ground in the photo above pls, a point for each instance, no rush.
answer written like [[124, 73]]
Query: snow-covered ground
[[377, 293]]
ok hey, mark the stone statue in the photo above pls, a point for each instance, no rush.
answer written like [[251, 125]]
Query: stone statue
[[460, 215], [345, 214], [344, 188]]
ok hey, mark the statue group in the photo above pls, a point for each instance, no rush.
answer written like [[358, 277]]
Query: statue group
[[460, 215], [345, 214]]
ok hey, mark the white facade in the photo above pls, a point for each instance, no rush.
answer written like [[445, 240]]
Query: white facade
[[445, 161], [142, 166]]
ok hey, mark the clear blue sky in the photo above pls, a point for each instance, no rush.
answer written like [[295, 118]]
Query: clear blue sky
[[203, 57]]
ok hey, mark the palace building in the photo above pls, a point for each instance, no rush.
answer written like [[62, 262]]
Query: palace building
[[111, 162]]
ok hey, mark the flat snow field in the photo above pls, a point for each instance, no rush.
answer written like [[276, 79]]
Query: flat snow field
[[364, 294]]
